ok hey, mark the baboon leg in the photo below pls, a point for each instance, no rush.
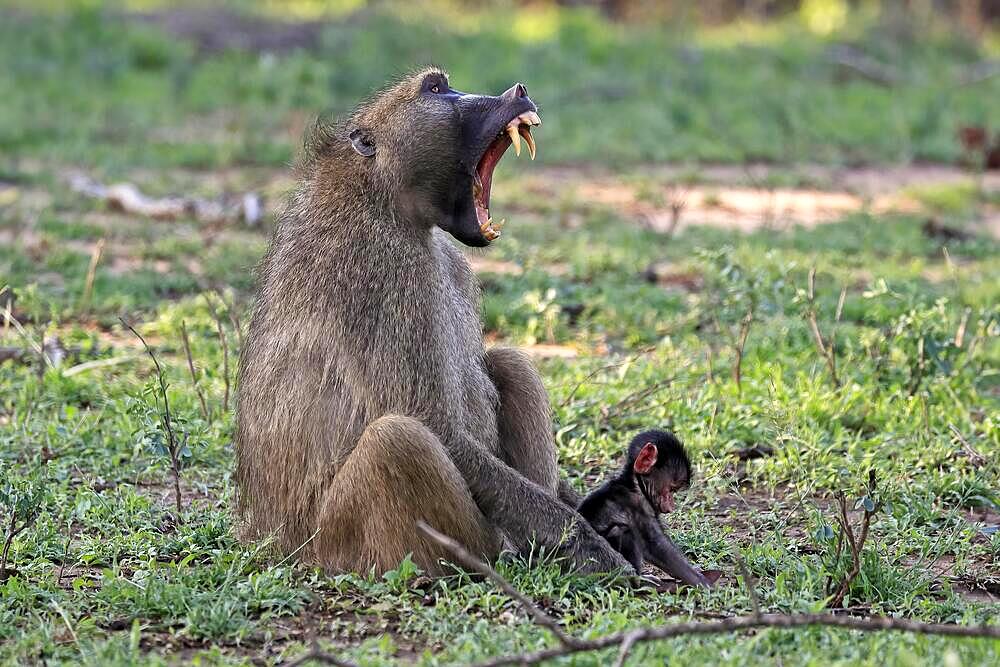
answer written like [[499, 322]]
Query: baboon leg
[[524, 421], [398, 473]]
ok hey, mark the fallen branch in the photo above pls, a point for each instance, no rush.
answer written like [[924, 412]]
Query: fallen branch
[[626, 640], [631, 400], [977, 73], [97, 363], [127, 198]]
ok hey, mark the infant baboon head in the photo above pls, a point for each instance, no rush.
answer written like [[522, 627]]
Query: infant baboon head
[[433, 149]]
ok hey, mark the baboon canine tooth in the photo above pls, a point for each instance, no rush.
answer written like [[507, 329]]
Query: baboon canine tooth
[[514, 139], [528, 139]]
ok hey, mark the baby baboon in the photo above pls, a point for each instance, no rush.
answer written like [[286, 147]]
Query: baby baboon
[[367, 400], [625, 509]]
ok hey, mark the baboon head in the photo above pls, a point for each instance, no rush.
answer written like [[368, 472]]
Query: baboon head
[[433, 149]]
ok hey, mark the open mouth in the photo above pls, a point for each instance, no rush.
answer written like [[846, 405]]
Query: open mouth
[[482, 179], [666, 503]]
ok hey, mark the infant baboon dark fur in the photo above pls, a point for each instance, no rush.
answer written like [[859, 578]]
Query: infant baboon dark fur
[[625, 509], [367, 400]]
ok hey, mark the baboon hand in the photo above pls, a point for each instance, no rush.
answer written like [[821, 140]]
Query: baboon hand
[[591, 553]]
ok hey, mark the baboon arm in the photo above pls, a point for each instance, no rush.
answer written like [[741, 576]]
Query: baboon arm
[[662, 552], [527, 513]]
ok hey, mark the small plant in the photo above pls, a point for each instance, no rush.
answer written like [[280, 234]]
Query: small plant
[[400, 578], [544, 315], [870, 504], [157, 426], [21, 503], [930, 346], [824, 345]]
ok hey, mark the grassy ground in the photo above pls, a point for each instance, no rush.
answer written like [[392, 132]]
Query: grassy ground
[[633, 327]]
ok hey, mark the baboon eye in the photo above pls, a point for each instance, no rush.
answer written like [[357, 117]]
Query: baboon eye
[[435, 89]]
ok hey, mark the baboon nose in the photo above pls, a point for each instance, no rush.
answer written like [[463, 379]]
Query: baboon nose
[[516, 91]]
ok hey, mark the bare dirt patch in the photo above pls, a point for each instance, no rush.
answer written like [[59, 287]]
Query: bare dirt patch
[[667, 198]]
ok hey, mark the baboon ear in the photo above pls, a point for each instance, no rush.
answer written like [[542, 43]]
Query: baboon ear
[[645, 459], [362, 142]]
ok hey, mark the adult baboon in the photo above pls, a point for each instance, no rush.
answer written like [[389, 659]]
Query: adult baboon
[[367, 401]]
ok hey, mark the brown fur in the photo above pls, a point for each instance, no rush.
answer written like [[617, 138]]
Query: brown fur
[[367, 400]]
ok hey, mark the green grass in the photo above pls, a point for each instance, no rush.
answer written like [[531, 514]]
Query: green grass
[[107, 575], [137, 586]]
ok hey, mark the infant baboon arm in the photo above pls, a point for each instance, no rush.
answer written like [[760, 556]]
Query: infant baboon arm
[[625, 540], [568, 494], [398, 473], [664, 554], [524, 421]]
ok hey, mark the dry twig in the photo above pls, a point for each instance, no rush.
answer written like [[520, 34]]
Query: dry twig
[[850, 58], [225, 361], [234, 317], [748, 582], [607, 367], [316, 654], [919, 370], [825, 348], [88, 285], [194, 374], [975, 457], [962, 325], [468, 560], [741, 342], [840, 304], [39, 349]]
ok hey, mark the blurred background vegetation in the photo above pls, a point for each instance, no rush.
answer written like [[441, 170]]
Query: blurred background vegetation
[[214, 84]]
